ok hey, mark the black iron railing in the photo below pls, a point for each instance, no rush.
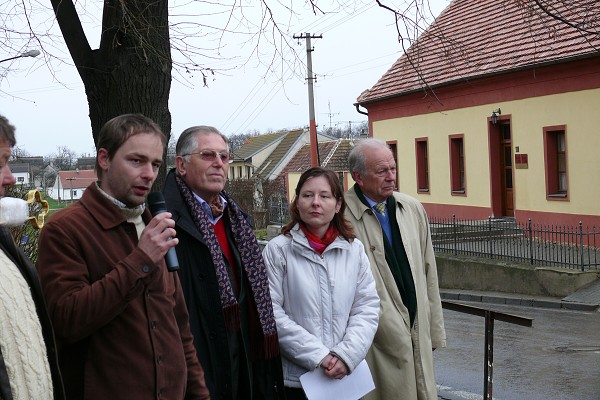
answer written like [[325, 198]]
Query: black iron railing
[[279, 211], [576, 247]]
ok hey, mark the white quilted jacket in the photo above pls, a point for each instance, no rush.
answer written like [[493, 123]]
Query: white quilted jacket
[[323, 303]]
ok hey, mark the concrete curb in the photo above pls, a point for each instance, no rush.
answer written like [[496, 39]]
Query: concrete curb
[[516, 300]]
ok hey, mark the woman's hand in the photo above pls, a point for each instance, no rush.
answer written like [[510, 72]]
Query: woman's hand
[[334, 367]]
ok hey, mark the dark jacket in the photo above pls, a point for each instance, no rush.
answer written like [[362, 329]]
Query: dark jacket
[[121, 320], [199, 283], [30, 274]]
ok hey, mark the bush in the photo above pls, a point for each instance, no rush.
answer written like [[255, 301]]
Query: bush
[[261, 234], [243, 192]]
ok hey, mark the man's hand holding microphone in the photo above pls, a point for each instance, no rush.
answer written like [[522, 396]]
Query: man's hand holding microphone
[[158, 239]]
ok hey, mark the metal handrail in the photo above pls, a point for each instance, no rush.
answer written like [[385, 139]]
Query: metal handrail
[[490, 316]]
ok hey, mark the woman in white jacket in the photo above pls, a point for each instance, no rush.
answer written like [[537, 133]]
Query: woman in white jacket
[[324, 296]]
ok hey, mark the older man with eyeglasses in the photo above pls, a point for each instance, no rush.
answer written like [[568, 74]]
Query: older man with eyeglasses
[[222, 273]]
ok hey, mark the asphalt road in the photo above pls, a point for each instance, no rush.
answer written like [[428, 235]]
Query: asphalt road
[[557, 358]]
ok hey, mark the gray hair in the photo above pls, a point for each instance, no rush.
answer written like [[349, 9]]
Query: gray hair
[[187, 143], [356, 158]]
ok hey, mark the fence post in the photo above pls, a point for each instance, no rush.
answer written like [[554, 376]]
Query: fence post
[[454, 234], [489, 238], [488, 357], [581, 246], [530, 241]]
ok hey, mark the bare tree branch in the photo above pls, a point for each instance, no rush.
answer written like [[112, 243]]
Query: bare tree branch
[[582, 19]]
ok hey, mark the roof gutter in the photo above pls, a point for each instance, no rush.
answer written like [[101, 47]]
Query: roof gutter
[[360, 111]]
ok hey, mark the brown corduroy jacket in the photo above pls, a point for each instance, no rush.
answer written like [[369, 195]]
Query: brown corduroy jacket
[[121, 320]]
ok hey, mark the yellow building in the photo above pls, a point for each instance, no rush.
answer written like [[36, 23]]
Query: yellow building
[[496, 117]]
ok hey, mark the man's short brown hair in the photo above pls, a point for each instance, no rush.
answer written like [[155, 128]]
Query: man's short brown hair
[[116, 131]]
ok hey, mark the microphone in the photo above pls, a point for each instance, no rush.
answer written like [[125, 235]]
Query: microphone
[[156, 204], [13, 211]]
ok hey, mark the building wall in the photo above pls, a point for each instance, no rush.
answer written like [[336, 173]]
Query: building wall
[[578, 112], [233, 172], [292, 182], [22, 178], [528, 116], [64, 194], [254, 162], [259, 158]]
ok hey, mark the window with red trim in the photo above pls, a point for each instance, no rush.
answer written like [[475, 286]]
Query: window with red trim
[[555, 157], [421, 150], [394, 147], [457, 165]]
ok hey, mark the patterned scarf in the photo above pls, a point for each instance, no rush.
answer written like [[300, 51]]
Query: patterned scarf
[[252, 262]]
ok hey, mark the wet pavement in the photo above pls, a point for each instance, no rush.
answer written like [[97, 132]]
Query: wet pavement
[[587, 295], [557, 358]]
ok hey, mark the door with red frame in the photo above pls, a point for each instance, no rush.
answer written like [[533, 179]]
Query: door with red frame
[[508, 202], [501, 168]]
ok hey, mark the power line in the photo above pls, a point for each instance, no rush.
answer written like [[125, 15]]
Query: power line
[[264, 100]]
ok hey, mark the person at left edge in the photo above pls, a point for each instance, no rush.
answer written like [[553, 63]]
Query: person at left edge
[[28, 362], [222, 273], [119, 315]]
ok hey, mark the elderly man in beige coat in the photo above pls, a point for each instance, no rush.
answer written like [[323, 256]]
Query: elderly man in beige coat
[[395, 232]]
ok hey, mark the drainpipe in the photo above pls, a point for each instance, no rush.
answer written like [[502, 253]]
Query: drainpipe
[[360, 111]]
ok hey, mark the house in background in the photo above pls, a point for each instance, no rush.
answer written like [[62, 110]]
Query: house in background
[[21, 172], [493, 111], [333, 155], [70, 185], [265, 156], [36, 167], [252, 153], [86, 162]]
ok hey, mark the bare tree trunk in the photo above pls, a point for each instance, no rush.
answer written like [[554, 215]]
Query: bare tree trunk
[[131, 70]]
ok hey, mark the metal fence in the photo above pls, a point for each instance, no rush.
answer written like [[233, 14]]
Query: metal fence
[[575, 247], [279, 211]]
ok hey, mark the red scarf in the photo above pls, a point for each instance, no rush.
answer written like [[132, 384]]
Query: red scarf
[[320, 244]]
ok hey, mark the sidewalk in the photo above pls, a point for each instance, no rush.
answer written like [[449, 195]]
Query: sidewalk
[[586, 299]]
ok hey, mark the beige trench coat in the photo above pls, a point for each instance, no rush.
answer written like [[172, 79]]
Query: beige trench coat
[[401, 360]]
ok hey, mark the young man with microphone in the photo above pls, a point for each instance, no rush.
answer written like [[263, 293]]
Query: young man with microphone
[[118, 313]]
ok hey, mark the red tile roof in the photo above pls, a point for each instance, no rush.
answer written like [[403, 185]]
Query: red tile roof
[[77, 179], [332, 154], [477, 38]]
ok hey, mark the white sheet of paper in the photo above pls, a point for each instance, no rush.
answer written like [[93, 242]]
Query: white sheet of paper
[[317, 386]]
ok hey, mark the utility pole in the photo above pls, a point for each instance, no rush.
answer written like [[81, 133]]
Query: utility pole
[[71, 185], [314, 152]]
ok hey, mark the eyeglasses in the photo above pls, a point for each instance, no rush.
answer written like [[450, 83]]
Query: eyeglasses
[[211, 155]]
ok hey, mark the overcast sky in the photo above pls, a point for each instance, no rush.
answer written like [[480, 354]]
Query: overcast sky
[[353, 54]]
